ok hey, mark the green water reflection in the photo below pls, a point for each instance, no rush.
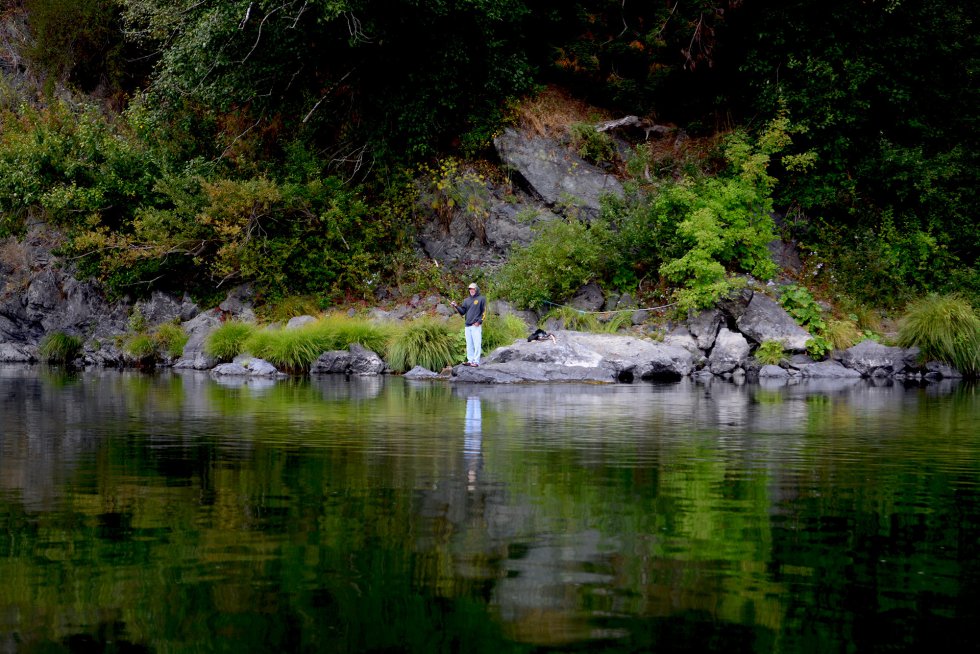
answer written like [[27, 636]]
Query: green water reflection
[[171, 513]]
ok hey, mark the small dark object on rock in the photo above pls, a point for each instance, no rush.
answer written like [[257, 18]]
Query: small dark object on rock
[[541, 335]]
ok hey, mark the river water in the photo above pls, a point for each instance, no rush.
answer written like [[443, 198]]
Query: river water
[[174, 513]]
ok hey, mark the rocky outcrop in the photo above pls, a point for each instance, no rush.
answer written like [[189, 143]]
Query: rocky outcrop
[[561, 178], [356, 360], [872, 359], [730, 351], [580, 357], [194, 357], [764, 320]]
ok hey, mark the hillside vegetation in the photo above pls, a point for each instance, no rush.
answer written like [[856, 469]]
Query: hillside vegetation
[[188, 145]]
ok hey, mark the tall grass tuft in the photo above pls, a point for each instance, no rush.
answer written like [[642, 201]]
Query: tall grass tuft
[[228, 340], [297, 349], [583, 321], [141, 347], [842, 334], [59, 347], [502, 330], [945, 328], [426, 342], [170, 339]]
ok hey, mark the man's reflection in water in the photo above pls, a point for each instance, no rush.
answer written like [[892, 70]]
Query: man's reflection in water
[[472, 440]]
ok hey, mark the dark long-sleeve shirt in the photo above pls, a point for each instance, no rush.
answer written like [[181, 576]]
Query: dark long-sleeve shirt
[[473, 309]]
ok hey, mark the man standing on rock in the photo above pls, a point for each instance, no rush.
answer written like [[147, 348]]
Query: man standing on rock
[[473, 310]]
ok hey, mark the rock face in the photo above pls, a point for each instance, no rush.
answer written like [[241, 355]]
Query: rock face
[[764, 320], [731, 351], [194, 357], [556, 174], [580, 357], [872, 359]]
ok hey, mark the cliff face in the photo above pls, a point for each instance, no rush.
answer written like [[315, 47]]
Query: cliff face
[[39, 296]]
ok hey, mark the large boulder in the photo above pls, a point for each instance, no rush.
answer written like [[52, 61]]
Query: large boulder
[[872, 359], [356, 360], [197, 328], [555, 173], [731, 351], [704, 327], [828, 370], [764, 320], [580, 357]]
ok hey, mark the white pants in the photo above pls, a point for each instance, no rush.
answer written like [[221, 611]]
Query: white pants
[[474, 338]]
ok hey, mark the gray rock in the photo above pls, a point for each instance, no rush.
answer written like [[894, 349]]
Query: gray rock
[[735, 303], [873, 359], [588, 298], [828, 370], [731, 351], [298, 321], [238, 303], [504, 308], [555, 173], [937, 369], [163, 307], [577, 356], [704, 327], [418, 372], [765, 320], [773, 372], [356, 360], [257, 367], [334, 362], [17, 353], [197, 330]]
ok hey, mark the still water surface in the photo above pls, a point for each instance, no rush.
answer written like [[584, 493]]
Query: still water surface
[[173, 513]]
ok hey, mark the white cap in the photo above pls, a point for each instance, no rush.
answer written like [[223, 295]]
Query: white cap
[[472, 285]]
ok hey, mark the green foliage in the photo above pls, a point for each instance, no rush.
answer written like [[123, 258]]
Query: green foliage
[[59, 347], [452, 189], [76, 41], [227, 341], [799, 303], [432, 344], [770, 353], [141, 347], [564, 255], [501, 330], [74, 166], [944, 328], [818, 347], [592, 145], [170, 339], [297, 349]]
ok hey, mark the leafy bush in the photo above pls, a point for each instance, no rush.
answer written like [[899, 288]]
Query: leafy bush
[[228, 340], [426, 342], [945, 328], [799, 303], [564, 255], [818, 347], [594, 146], [770, 353], [59, 347]]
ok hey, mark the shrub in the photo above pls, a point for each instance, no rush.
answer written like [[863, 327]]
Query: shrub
[[228, 340], [594, 146], [770, 353], [58, 347], [945, 328], [564, 255], [800, 304], [818, 347], [426, 342]]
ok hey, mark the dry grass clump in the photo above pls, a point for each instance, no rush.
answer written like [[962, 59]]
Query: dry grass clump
[[551, 112]]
